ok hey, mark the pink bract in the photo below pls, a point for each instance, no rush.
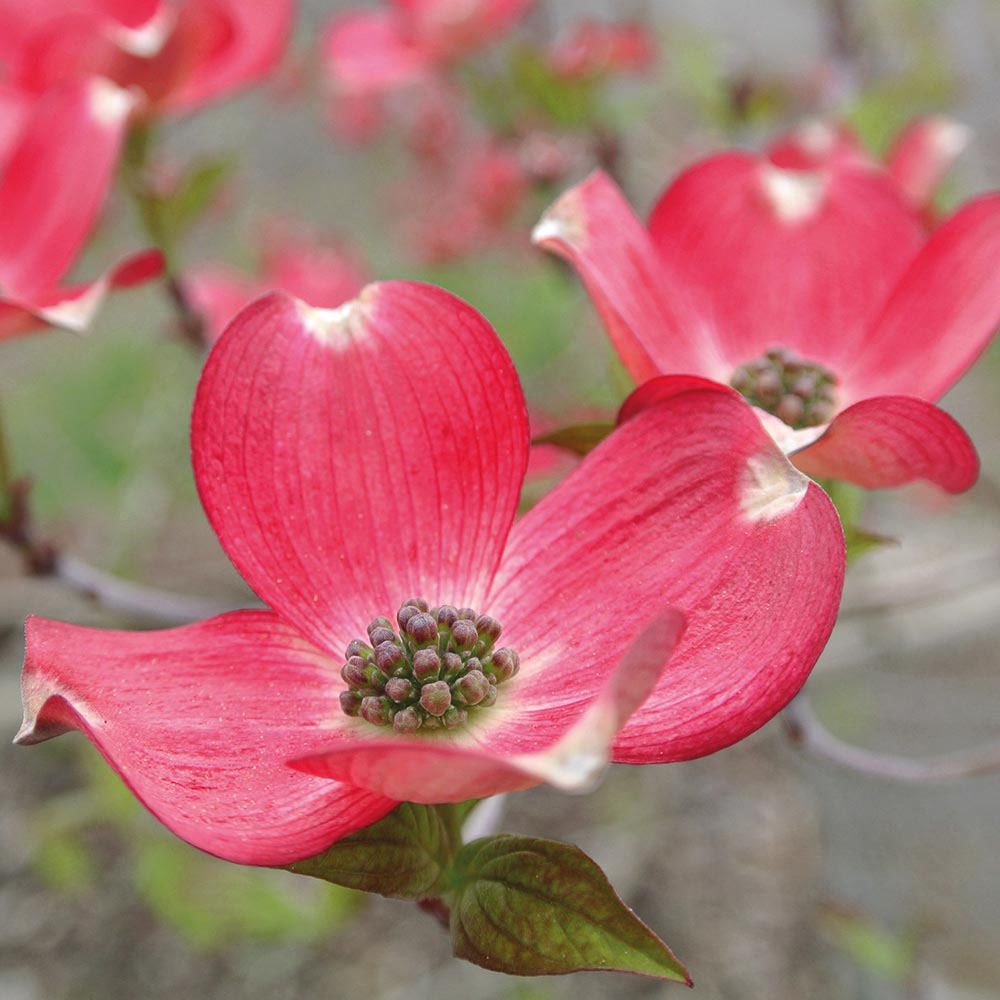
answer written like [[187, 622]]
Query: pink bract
[[741, 257], [917, 160], [350, 458], [179, 54], [48, 206]]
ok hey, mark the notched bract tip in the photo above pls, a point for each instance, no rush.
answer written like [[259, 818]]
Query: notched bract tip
[[795, 195], [343, 324], [771, 487]]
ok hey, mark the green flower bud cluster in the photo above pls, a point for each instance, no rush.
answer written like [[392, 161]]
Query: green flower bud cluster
[[440, 666], [801, 393]]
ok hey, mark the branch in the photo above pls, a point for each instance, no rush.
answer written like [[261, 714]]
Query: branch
[[134, 600], [806, 731], [41, 559]]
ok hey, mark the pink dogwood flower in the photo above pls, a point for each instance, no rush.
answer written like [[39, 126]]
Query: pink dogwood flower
[[409, 41], [318, 270], [917, 159], [817, 294], [351, 458], [593, 49], [179, 54], [48, 205]]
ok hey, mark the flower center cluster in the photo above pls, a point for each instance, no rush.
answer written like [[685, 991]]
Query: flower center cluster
[[801, 393], [440, 666]]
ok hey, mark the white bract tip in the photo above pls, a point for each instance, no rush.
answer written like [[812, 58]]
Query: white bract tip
[[795, 195], [561, 222], [550, 227], [816, 136], [771, 488], [110, 103], [950, 137], [76, 313], [342, 325], [148, 39]]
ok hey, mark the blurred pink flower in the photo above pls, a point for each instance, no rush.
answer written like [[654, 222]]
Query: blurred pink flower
[[814, 292], [593, 48], [467, 204], [178, 54], [53, 180], [407, 41]]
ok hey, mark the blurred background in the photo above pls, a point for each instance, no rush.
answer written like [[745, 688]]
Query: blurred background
[[770, 871]]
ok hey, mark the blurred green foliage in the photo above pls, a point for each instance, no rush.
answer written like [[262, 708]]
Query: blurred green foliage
[[210, 903]]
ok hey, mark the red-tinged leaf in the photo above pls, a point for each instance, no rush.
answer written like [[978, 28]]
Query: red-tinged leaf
[[404, 855], [532, 907]]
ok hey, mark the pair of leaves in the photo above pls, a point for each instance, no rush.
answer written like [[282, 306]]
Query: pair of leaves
[[519, 905]]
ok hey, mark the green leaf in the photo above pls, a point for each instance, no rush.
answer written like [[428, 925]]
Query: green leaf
[[580, 439], [869, 945], [194, 193], [535, 907], [860, 541], [403, 855], [850, 503]]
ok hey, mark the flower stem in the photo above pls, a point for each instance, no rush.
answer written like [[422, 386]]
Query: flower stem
[[150, 209]]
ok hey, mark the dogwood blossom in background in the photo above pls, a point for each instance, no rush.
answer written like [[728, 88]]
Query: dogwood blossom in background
[[48, 205], [816, 293], [593, 48], [178, 54]]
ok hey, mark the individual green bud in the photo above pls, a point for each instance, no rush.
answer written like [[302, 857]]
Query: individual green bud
[[463, 635], [473, 687], [454, 717], [490, 698], [379, 622], [791, 410], [416, 602], [452, 665], [489, 629], [405, 613], [376, 709], [506, 663], [446, 616], [355, 673], [376, 679], [350, 702], [399, 689], [380, 634], [358, 648], [408, 720], [422, 629], [467, 614], [435, 698], [426, 665], [388, 656]]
